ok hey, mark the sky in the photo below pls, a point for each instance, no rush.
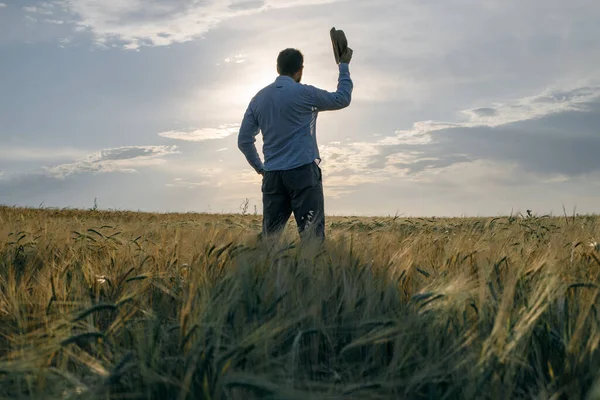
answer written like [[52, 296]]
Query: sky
[[460, 107]]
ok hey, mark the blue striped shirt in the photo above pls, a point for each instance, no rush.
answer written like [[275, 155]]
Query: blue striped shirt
[[286, 114]]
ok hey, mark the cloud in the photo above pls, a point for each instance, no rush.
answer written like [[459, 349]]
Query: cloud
[[237, 59], [484, 112], [39, 10], [54, 21], [208, 178], [353, 157], [544, 138], [564, 143], [528, 108], [552, 134], [121, 159], [182, 183], [3, 5], [419, 134], [247, 5], [550, 102], [29, 18], [345, 168], [137, 23], [200, 135]]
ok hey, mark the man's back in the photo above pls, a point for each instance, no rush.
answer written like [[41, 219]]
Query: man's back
[[286, 113]]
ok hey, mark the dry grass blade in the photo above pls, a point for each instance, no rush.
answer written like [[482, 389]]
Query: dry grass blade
[[94, 309], [82, 338]]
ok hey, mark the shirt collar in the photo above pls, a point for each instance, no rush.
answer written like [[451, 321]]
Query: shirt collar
[[284, 78]]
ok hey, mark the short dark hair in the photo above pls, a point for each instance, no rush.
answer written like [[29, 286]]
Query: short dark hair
[[290, 61]]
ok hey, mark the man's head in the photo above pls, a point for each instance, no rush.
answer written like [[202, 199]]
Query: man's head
[[291, 63]]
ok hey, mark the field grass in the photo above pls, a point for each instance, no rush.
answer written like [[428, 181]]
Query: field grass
[[107, 305]]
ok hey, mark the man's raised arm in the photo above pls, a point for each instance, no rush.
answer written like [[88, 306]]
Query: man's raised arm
[[329, 101], [247, 140]]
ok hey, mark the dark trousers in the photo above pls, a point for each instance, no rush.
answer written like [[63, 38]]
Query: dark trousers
[[299, 190]]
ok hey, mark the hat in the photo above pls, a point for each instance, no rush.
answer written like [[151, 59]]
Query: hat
[[339, 42]]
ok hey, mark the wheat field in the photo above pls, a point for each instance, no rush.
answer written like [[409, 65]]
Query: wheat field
[[123, 305]]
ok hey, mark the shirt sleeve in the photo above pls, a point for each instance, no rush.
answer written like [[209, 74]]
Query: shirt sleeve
[[323, 100], [247, 139]]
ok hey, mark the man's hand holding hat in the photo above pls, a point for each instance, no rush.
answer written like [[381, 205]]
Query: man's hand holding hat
[[341, 51]]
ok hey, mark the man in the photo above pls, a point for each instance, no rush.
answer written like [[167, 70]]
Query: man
[[286, 113]]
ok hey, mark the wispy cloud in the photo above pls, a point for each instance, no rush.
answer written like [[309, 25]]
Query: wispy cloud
[[199, 135], [44, 9], [54, 21], [157, 23], [64, 42], [237, 59], [3, 5], [29, 18], [547, 103], [187, 184], [353, 157], [202, 177], [121, 159]]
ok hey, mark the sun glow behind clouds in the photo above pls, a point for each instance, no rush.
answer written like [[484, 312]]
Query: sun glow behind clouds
[[254, 83], [229, 99]]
